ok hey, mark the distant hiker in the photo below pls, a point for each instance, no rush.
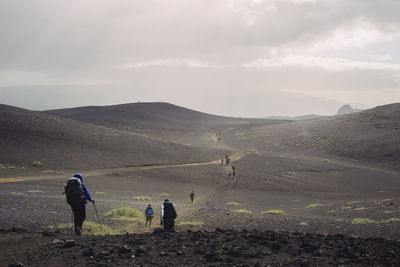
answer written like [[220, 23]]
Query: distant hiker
[[168, 216], [227, 161], [229, 174], [149, 215], [77, 196], [191, 196], [233, 170], [226, 156]]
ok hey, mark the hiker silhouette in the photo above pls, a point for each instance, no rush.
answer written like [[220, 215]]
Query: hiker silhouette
[[77, 195]]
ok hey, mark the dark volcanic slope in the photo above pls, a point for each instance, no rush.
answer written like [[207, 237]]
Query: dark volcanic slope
[[372, 135], [149, 115], [60, 143]]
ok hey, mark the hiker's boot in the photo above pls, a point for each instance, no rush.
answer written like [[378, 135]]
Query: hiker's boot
[[78, 231]]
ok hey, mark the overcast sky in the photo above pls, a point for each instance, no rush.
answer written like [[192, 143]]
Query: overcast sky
[[230, 57]]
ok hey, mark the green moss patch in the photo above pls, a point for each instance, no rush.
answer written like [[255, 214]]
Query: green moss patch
[[35, 191], [233, 203], [391, 220], [315, 205], [242, 211], [362, 221], [91, 228], [37, 163], [125, 213], [190, 223], [361, 208], [278, 212], [142, 198]]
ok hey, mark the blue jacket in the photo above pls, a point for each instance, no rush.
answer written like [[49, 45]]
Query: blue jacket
[[79, 176], [87, 193]]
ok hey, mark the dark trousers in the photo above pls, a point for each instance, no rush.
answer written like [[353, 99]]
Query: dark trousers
[[169, 225], [79, 216]]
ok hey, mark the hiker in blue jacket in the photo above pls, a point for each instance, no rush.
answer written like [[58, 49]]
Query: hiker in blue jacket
[[77, 201]]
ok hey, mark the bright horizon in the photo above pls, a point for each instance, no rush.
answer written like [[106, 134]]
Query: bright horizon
[[238, 58]]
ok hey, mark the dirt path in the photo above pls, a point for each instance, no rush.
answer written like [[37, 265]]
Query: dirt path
[[234, 157]]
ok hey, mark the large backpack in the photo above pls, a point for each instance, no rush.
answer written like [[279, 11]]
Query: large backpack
[[75, 193]]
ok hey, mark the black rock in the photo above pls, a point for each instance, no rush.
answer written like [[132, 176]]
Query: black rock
[[210, 257], [236, 252], [125, 249], [58, 243], [18, 229], [276, 246], [304, 263], [88, 252], [47, 233], [16, 264], [158, 231], [69, 243], [141, 250]]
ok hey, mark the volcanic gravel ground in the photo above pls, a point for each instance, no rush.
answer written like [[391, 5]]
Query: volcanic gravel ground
[[218, 248]]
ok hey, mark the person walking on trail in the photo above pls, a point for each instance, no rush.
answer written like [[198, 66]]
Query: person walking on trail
[[233, 171], [191, 196], [168, 216], [149, 215], [227, 161], [229, 174], [77, 196]]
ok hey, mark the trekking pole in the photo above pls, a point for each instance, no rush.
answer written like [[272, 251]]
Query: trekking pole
[[101, 227]]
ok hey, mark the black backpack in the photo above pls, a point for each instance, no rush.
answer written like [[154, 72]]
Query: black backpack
[[75, 193]]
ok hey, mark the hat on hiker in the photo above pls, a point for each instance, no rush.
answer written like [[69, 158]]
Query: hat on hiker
[[78, 175]]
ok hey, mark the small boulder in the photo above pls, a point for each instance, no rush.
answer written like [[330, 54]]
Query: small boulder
[[88, 252], [16, 264], [125, 249], [58, 243], [69, 243], [47, 233], [18, 230], [141, 250]]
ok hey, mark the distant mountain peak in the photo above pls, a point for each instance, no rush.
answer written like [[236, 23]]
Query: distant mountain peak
[[346, 109]]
